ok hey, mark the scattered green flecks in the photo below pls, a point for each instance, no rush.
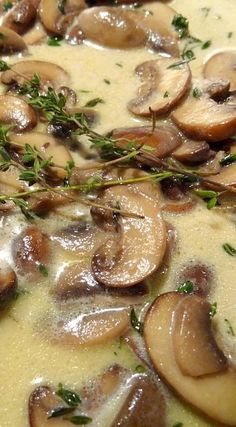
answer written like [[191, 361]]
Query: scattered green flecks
[[7, 5], [213, 309], [230, 329], [79, 420], [108, 82], [209, 196], [93, 102], [185, 287], [166, 94], [228, 159], [119, 64], [135, 322], [206, 44], [70, 397], [43, 270], [140, 369], [230, 250], [54, 41], [59, 412], [229, 35], [196, 92], [180, 24]]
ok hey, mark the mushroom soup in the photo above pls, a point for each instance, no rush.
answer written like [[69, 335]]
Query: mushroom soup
[[117, 191]]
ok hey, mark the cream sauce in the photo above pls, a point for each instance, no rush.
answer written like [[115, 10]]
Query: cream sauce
[[28, 360]]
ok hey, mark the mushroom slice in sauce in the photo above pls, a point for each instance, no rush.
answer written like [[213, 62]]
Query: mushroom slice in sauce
[[204, 392], [30, 249], [163, 86], [15, 111], [134, 257], [192, 152], [43, 400], [48, 146], [111, 27], [164, 139], [144, 405], [226, 176], [195, 348], [94, 328], [203, 118], [50, 74], [8, 285], [222, 65], [21, 16], [10, 41], [55, 19]]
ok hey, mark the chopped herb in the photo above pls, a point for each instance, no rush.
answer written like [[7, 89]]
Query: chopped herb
[[230, 35], [166, 94], [140, 369], [213, 310], [115, 353], [180, 24], [135, 322], [54, 41], [212, 203], [58, 412], [7, 5], [69, 169], [211, 197], [180, 63], [61, 6], [107, 81], [230, 330], [228, 159], [188, 55], [4, 66], [43, 270], [229, 249], [206, 44], [70, 397], [94, 102], [79, 420], [196, 93], [186, 287], [206, 11], [119, 65]]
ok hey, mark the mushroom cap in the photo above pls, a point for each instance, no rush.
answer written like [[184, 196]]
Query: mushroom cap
[[10, 41], [50, 74], [226, 176], [134, 257], [15, 111], [21, 16], [111, 27], [163, 86], [8, 285], [203, 118], [53, 19], [222, 65], [192, 152], [214, 395]]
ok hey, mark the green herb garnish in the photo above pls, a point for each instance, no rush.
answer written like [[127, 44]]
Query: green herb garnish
[[54, 41], [61, 6], [94, 102], [108, 82], [206, 44], [70, 397], [180, 24], [135, 322], [43, 270], [185, 287], [228, 159], [229, 249], [58, 412], [196, 93], [140, 369], [230, 329], [213, 310], [80, 420], [7, 5]]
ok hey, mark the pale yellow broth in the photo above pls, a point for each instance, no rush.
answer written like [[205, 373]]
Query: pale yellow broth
[[26, 358]]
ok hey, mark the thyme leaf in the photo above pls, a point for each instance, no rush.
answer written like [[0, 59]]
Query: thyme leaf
[[135, 322]]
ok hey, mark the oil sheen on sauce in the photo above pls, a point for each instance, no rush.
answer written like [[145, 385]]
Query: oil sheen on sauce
[[28, 360]]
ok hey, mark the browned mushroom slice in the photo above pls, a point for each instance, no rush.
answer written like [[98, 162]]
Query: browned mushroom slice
[[144, 405], [50, 74], [35, 35], [192, 152], [226, 176], [133, 257], [30, 249], [163, 86], [111, 27], [21, 16], [175, 199], [15, 111], [43, 400], [200, 275], [48, 146], [195, 348], [8, 285], [163, 139], [203, 118], [222, 65], [10, 41], [56, 19], [92, 329], [204, 392]]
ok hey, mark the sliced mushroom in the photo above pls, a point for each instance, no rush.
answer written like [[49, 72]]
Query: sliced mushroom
[[56, 19], [203, 118], [192, 152], [43, 400], [35, 35], [196, 351], [92, 329], [163, 139], [175, 199], [214, 395], [10, 41], [50, 74], [163, 86], [16, 112], [21, 16], [111, 27], [222, 65], [144, 405], [48, 146], [30, 249], [133, 257], [226, 176], [200, 275], [8, 285]]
